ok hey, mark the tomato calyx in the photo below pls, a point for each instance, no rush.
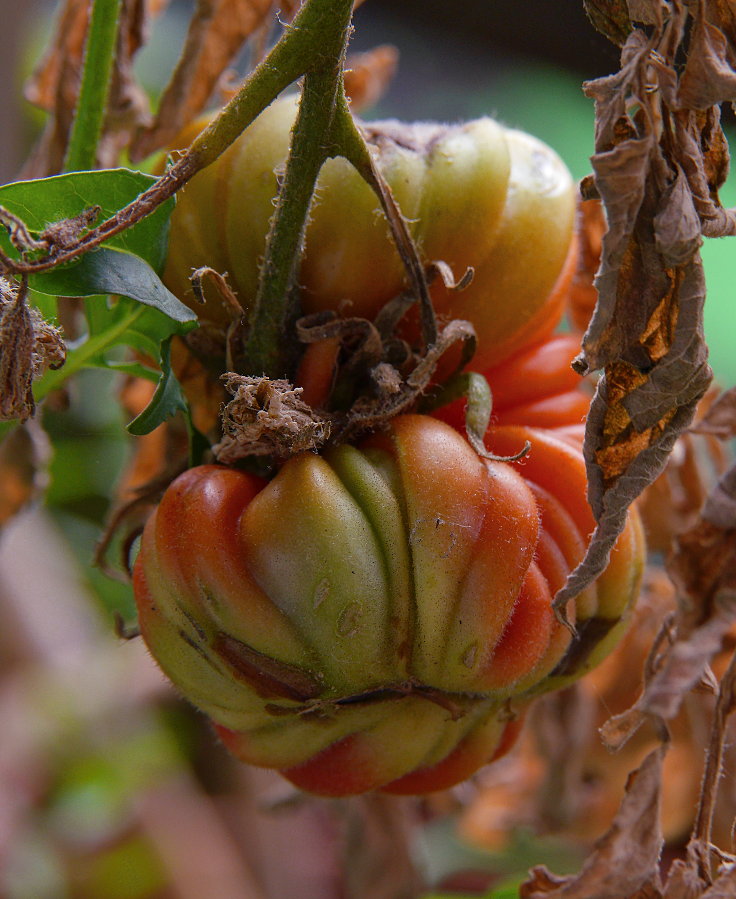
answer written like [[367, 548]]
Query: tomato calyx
[[357, 374]]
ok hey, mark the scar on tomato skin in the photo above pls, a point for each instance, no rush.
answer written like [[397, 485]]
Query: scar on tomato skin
[[321, 592]]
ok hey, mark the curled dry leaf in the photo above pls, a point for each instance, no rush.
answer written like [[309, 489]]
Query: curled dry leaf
[[624, 863], [659, 162], [217, 31], [28, 346], [672, 504]]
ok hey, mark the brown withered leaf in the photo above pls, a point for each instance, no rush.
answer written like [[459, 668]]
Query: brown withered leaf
[[703, 569], [703, 564], [217, 31], [54, 85], [720, 419], [24, 456], [610, 17], [127, 104], [368, 75], [590, 226], [679, 668], [659, 186], [624, 863], [709, 77], [724, 886]]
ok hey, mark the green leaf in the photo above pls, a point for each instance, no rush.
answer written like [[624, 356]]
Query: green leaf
[[167, 400], [47, 200], [123, 322], [110, 271]]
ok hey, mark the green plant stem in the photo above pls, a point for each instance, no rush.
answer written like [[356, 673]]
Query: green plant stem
[[267, 352], [99, 55]]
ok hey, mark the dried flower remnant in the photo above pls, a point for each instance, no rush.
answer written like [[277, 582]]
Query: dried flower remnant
[[660, 159], [28, 346], [267, 418]]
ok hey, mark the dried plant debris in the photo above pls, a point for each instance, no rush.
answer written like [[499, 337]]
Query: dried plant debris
[[659, 162], [368, 75], [624, 862], [217, 31], [25, 454], [267, 418], [54, 85], [28, 346]]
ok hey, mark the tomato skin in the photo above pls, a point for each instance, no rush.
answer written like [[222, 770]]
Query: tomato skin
[[400, 587], [536, 387], [475, 195]]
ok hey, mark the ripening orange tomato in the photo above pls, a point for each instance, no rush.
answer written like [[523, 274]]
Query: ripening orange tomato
[[475, 195], [379, 616]]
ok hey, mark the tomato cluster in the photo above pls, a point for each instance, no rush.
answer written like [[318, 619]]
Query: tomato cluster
[[379, 615]]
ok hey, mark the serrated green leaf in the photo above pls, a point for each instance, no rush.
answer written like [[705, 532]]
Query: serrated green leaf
[[167, 400], [39, 203], [112, 271]]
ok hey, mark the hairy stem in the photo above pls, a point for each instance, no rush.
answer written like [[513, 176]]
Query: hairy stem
[[267, 352], [99, 54]]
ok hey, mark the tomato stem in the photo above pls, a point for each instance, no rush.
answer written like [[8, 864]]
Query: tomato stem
[[99, 54]]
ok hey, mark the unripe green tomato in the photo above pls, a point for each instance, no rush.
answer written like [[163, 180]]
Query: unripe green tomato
[[475, 195], [375, 617]]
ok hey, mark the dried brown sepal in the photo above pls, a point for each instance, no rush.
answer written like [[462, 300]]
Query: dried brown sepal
[[368, 75], [660, 160], [217, 31], [624, 863], [267, 418], [371, 412], [28, 346]]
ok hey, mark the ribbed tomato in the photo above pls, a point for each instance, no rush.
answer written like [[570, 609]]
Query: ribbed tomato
[[477, 195], [378, 617]]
